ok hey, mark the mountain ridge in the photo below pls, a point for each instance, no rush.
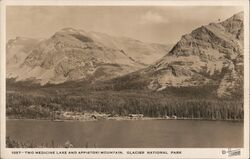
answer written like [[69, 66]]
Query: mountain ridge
[[72, 54], [209, 55]]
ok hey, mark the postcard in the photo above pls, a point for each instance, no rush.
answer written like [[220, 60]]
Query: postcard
[[124, 79]]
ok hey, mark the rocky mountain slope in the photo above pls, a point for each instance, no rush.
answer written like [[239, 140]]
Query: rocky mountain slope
[[211, 55], [140, 52], [72, 54]]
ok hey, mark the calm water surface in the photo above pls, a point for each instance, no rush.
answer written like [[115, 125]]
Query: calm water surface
[[140, 133]]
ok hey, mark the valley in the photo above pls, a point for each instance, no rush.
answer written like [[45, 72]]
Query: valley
[[201, 77], [188, 103]]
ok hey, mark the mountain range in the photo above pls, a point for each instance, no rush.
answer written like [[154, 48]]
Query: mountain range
[[72, 54], [211, 55]]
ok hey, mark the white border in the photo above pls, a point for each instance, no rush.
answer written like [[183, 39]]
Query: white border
[[186, 152]]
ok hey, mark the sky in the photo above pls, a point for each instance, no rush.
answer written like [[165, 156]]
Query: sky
[[155, 24]]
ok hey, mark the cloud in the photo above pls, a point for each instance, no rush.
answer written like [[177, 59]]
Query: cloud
[[153, 17]]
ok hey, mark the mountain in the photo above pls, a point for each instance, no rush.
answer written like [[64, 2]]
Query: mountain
[[211, 55], [18, 49], [141, 52], [71, 55]]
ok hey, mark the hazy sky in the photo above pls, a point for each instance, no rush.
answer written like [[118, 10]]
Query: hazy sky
[[149, 24]]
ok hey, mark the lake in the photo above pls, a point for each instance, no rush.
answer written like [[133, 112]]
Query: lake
[[130, 134]]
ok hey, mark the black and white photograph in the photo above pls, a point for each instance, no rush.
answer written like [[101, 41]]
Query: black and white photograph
[[125, 76]]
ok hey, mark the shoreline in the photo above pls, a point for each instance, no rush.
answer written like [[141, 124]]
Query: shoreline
[[125, 119]]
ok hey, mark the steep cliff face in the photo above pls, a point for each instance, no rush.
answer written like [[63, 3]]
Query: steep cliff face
[[72, 54], [209, 55]]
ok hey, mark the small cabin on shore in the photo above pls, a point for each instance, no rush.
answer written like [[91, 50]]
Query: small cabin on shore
[[93, 117], [136, 115], [174, 117], [167, 117]]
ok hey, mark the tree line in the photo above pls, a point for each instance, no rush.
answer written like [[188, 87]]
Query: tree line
[[150, 105]]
